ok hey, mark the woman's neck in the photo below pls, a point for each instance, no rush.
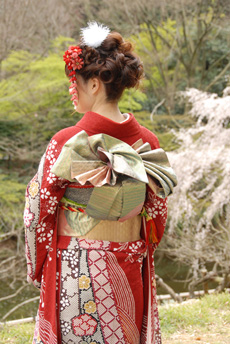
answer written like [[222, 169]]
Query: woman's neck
[[109, 110]]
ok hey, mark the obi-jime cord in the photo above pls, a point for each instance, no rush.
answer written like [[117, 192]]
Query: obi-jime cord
[[100, 291]]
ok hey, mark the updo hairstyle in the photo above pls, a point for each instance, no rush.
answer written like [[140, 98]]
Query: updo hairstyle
[[114, 63]]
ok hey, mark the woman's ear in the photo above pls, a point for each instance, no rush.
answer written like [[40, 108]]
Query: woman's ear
[[95, 85]]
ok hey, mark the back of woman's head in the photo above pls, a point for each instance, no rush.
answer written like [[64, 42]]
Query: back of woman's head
[[114, 63]]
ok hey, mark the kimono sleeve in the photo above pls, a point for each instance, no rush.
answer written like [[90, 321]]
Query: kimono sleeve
[[156, 209], [43, 194]]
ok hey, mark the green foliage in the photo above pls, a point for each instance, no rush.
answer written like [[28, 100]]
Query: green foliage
[[32, 85], [160, 63], [17, 62], [60, 44], [34, 102], [11, 202], [132, 100], [182, 53], [11, 192]]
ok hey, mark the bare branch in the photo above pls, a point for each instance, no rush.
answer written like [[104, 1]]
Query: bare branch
[[13, 295], [168, 289], [20, 305]]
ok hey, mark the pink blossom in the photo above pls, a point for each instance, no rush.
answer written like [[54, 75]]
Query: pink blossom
[[28, 217]]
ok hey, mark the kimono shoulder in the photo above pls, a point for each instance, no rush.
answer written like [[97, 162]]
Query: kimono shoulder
[[149, 136]]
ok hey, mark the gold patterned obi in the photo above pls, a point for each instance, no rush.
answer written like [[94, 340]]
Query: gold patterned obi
[[108, 178]]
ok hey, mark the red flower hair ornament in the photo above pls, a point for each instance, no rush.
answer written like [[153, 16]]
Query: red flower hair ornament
[[93, 35], [73, 61]]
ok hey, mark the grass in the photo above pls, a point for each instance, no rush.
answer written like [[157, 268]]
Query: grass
[[205, 321], [18, 334]]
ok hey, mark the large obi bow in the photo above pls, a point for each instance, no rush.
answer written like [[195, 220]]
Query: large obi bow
[[105, 161]]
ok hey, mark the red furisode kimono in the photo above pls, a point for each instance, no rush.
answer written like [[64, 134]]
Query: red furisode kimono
[[92, 291]]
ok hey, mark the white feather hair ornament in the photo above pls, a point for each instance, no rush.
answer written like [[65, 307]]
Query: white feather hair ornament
[[94, 34]]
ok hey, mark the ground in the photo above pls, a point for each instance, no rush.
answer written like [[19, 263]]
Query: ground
[[197, 337], [204, 321]]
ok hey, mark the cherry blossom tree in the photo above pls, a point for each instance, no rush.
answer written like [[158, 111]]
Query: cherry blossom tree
[[199, 211]]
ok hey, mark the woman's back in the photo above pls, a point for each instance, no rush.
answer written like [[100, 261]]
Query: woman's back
[[99, 209]]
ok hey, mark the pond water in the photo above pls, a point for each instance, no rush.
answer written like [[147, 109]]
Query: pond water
[[172, 274], [28, 310]]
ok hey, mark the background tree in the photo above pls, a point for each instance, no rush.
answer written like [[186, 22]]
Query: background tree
[[31, 25], [183, 43], [199, 210], [186, 41]]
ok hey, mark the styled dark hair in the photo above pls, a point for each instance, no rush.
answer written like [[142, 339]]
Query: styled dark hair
[[114, 62]]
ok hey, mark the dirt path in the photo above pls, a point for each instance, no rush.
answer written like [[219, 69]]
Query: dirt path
[[220, 337]]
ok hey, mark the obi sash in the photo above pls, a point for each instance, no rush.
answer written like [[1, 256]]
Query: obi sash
[[113, 176]]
